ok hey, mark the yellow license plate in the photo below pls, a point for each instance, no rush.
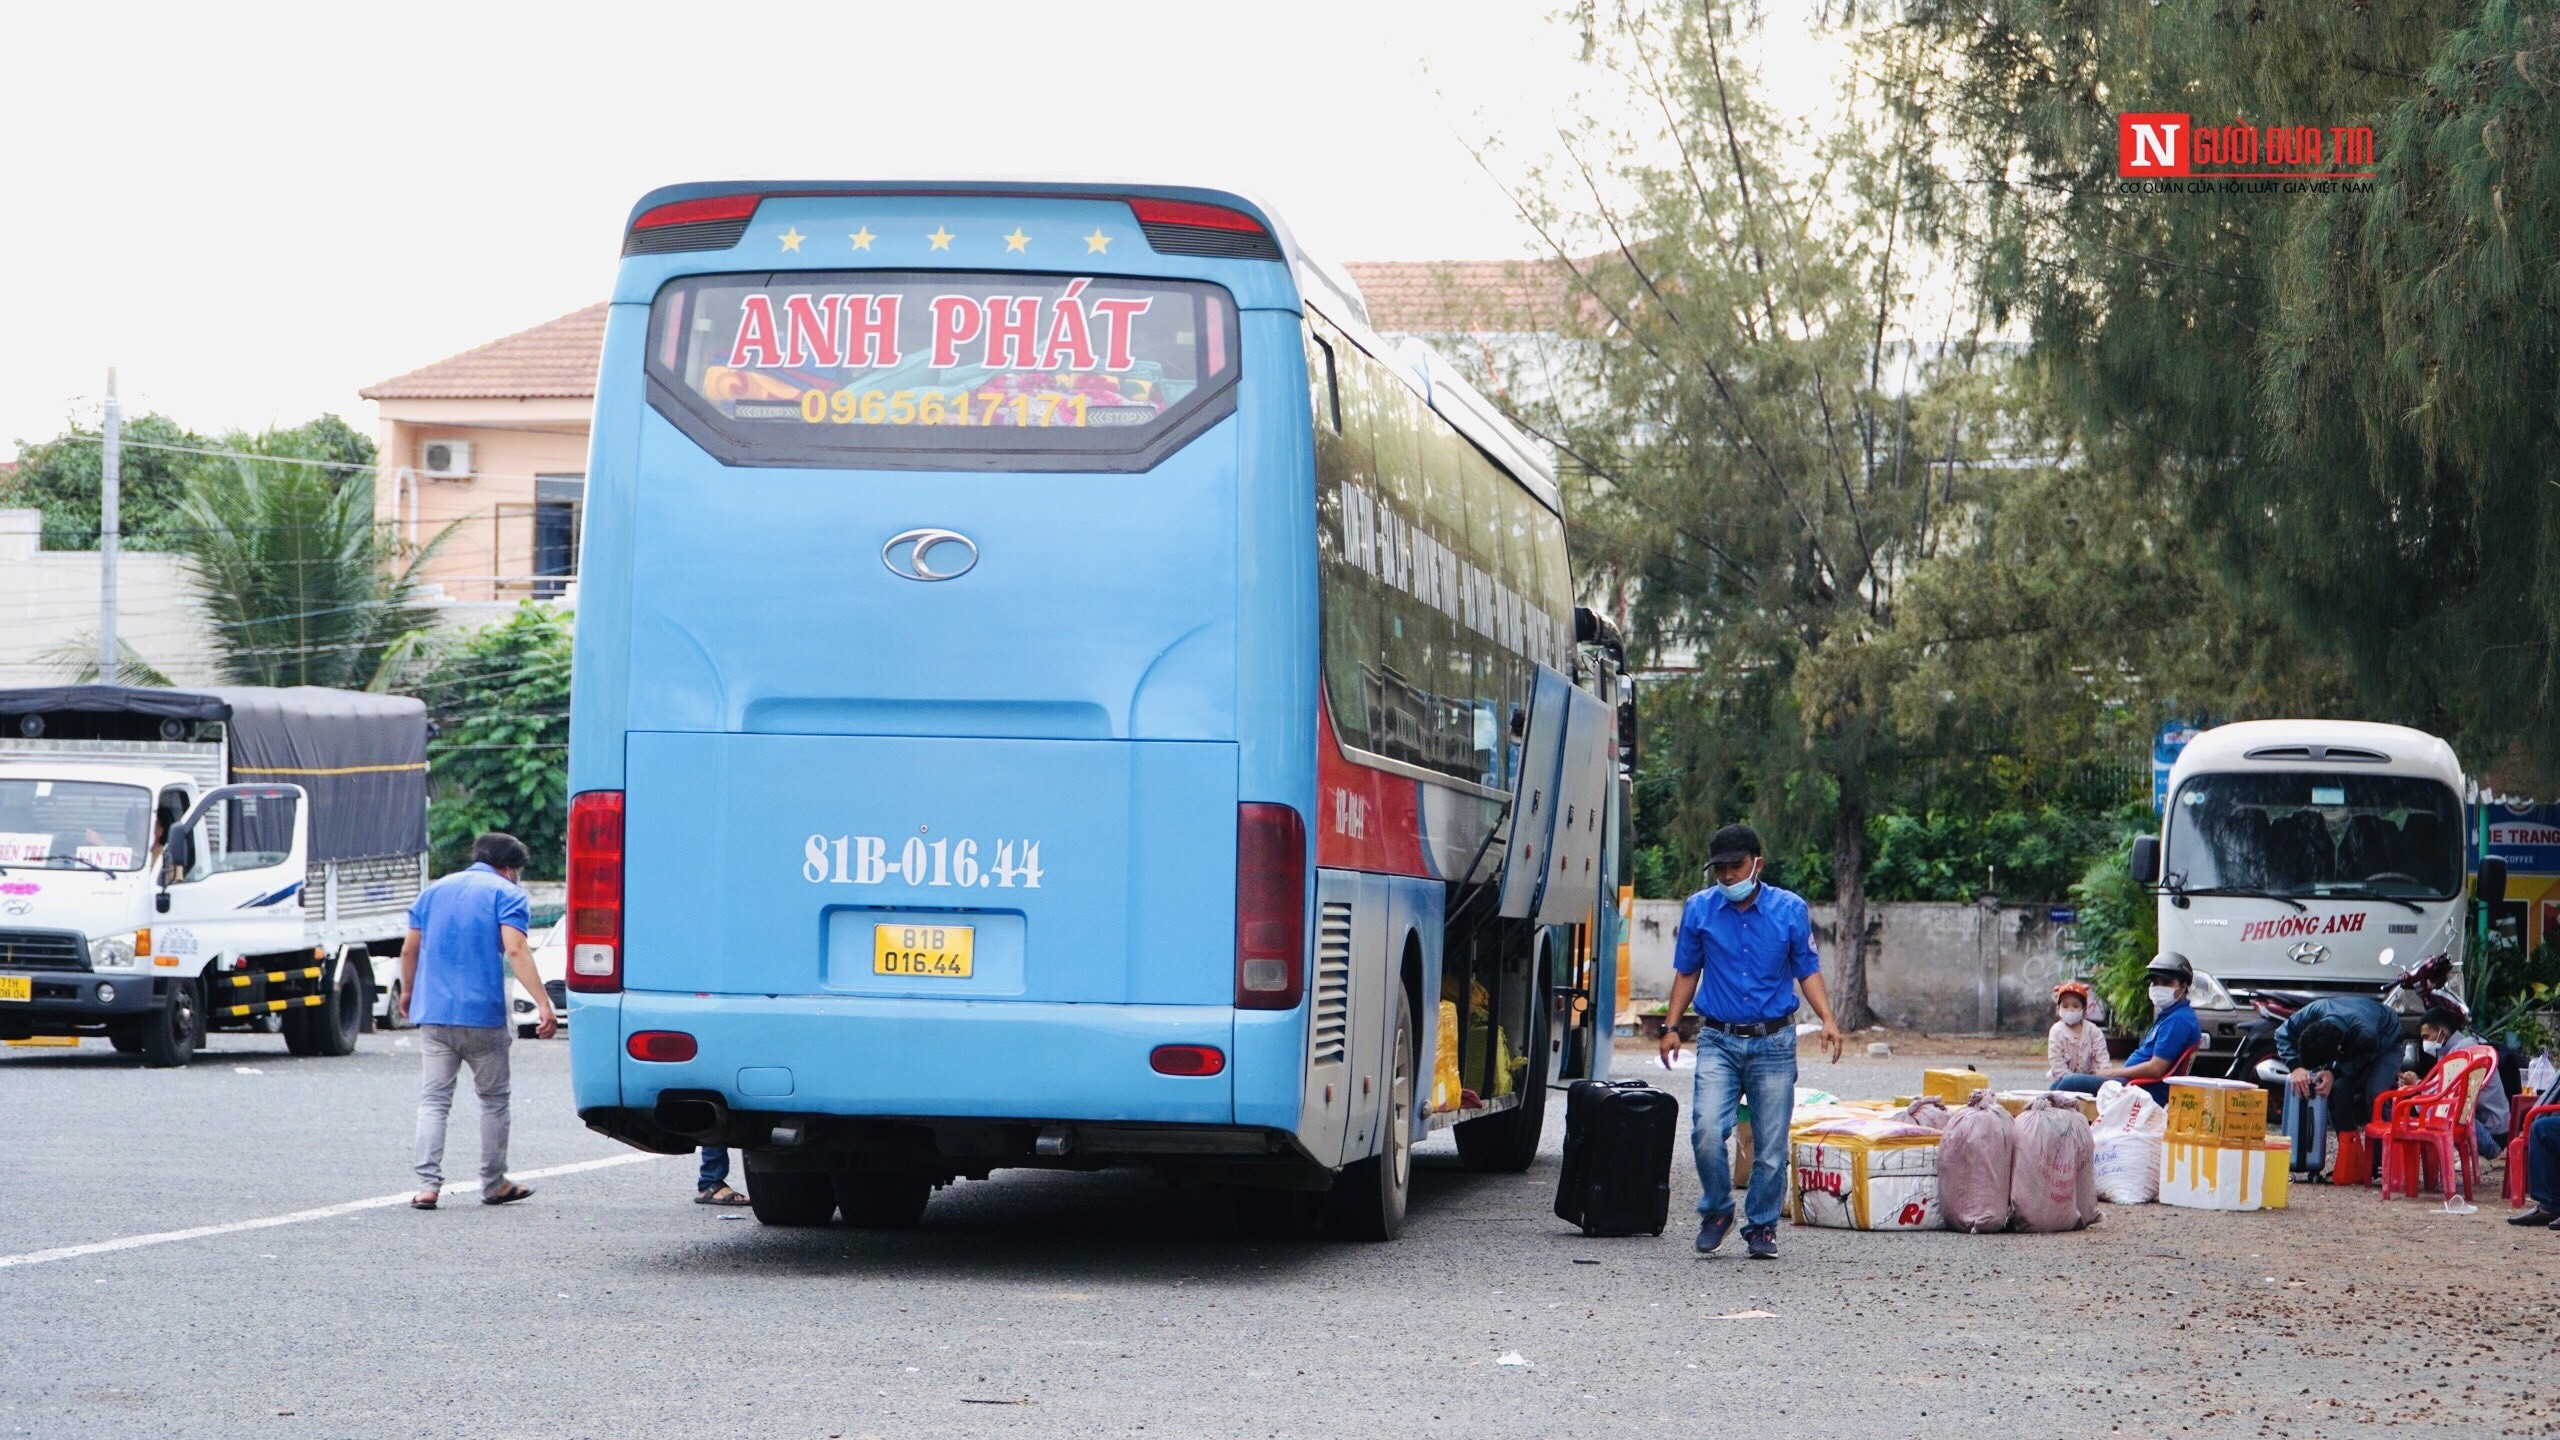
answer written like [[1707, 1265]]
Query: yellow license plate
[[938, 952], [21, 987]]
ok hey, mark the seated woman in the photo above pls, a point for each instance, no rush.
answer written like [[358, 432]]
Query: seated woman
[[2073, 1046]]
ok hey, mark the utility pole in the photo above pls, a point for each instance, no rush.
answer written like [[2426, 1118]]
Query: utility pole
[[109, 520]]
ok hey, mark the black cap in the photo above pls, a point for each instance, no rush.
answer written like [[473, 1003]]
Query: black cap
[[1733, 844], [2173, 966]]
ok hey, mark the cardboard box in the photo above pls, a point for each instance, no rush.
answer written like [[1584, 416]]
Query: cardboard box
[[2217, 1112], [1953, 1086], [2249, 1176]]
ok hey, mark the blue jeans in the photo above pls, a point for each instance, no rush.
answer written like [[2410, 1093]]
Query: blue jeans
[[1729, 1068], [2542, 1163], [715, 1167]]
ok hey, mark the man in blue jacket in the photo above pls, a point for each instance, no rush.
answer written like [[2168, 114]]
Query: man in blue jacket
[[2172, 1038], [1743, 948], [2344, 1048]]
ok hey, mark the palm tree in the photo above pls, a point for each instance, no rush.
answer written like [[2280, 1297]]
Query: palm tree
[[296, 578]]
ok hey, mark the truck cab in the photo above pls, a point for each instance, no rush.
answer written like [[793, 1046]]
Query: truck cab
[[2294, 855]]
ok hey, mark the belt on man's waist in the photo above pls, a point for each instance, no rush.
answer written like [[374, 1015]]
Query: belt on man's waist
[[1751, 1031]]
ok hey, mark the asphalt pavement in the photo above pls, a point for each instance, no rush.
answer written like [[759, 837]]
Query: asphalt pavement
[[1119, 1304]]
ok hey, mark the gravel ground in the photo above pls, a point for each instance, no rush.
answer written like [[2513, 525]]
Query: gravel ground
[[1038, 1305]]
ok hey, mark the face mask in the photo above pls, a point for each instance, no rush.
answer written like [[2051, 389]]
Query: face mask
[[2432, 1047], [2163, 996], [2073, 1017], [1740, 890]]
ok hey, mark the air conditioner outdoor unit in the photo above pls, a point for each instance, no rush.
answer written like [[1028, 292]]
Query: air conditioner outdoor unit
[[445, 459]]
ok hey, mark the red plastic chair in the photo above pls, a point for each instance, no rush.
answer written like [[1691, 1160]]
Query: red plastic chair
[[2518, 1138], [2432, 1122]]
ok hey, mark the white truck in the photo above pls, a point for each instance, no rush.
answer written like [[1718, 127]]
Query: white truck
[[174, 862], [2309, 857]]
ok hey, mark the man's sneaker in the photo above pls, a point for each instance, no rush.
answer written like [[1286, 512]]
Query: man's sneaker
[[2535, 1216], [1711, 1231], [1763, 1240]]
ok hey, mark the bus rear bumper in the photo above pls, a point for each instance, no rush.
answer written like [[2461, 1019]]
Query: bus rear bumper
[[863, 1056]]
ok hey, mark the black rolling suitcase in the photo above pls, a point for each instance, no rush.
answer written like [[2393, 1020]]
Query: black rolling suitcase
[[1618, 1139]]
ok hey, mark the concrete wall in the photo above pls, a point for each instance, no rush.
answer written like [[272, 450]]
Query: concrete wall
[[50, 597], [1946, 969]]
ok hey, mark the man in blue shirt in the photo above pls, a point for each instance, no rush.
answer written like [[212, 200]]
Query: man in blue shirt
[[465, 933], [1744, 947], [2173, 1037]]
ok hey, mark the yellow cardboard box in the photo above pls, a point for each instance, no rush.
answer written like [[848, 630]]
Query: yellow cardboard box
[[2014, 1101], [2216, 1112], [1953, 1086]]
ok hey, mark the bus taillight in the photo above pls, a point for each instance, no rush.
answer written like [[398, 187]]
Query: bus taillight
[[709, 222], [1271, 907], [595, 890]]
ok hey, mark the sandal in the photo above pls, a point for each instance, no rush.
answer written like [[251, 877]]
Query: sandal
[[508, 1196], [423, 1200], [720, 1195]]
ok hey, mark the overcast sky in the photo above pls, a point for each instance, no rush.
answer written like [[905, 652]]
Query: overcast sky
[[254, 209]]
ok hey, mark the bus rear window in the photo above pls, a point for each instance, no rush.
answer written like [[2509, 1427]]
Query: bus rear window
[[936, 369]]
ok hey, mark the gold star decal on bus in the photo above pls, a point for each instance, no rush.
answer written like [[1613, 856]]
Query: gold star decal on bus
[[792, 237], [940, 237], [1016, 240], [1097, 242], [862, 238]]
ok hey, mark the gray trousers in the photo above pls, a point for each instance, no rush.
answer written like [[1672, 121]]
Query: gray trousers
[[447, 1049]]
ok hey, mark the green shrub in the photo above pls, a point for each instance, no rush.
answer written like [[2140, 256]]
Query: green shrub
[[2115, 936]]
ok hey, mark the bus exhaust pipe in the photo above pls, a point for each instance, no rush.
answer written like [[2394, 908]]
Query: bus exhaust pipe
[[1054, 1141], [700, 1118]]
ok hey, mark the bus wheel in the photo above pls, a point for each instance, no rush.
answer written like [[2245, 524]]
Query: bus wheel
[[1367, 1202], [882, 1202], [791, 1197], [1508, 1143], [170, 1037]]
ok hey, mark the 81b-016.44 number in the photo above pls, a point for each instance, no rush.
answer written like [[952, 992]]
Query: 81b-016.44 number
[[944, 863]]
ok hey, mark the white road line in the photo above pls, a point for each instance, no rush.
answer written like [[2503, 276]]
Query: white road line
[[325, 1212]]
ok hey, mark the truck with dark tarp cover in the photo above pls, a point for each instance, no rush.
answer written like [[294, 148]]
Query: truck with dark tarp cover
[[174, 862]]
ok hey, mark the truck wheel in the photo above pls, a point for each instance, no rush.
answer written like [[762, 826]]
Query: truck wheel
[[791, 1197], [333, 1027], [126, 1037], [170, 1037], [1368, 1200], [391, 1010], [298, 1027], [882, 1202], [1507, 1143]]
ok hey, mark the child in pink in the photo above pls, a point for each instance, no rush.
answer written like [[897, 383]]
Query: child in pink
[[2076, 1045]]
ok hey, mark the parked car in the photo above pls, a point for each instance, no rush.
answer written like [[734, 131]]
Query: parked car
[[551, 962]]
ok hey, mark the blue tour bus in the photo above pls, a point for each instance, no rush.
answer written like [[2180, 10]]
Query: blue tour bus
[[1054, 688]]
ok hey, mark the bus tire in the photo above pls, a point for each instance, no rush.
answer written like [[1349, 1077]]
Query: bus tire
[[796, 1198], [1507, 1144], [335, 1026], [169, 1037], [881, 1202], [1367, 1202]]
